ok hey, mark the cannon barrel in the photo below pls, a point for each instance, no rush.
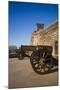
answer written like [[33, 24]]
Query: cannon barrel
[[34, 48]]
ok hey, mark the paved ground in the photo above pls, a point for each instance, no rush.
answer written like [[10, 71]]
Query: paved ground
[[21, 74]]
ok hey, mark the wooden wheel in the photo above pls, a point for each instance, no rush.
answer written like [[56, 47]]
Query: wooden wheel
[[40, 62], [20, 57], [20, 54]]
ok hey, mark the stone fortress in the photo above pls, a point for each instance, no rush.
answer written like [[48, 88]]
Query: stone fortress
[[46, 36]]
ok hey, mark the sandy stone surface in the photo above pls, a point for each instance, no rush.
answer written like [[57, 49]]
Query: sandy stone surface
[[21, 74]]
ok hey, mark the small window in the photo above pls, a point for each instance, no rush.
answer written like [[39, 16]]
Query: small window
[[56, 47]]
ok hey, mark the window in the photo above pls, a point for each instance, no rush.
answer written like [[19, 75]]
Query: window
[[56, 47]]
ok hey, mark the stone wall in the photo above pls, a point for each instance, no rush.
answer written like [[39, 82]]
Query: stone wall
[[46, 36]]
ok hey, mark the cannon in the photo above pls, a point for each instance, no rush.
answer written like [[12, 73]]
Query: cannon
[[41, 58]]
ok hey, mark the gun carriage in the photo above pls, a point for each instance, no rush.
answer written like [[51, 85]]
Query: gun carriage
[[41, 58]]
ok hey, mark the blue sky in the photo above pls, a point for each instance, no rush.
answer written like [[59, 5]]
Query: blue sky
[[23, 18]]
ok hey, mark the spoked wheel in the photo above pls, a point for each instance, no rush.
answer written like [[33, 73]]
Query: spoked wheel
[[40, 63], [20, 57]]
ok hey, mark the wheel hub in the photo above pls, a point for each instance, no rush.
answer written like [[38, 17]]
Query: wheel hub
[[41, 61]]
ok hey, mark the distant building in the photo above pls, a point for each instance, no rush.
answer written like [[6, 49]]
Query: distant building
[[46, 36], [12, 48]]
